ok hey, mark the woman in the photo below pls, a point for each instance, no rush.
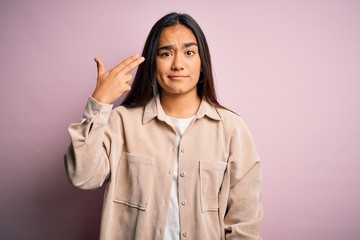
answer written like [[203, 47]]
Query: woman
[[177, 164]]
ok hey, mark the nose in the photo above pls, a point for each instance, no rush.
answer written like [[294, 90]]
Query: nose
[[177, 63]]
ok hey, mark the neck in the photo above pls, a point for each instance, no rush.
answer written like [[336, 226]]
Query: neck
[[180, 106]]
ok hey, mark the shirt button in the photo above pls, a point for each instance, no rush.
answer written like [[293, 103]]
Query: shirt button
[[182, 150], [183, 202], [95, 112], [184, 234], [182, 174]]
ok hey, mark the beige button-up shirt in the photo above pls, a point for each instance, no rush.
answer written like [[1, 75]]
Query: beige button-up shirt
[[133, 152]]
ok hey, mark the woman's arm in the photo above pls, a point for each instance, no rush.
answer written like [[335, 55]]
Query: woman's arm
[[244, 209], [87, 159], [244, 215]]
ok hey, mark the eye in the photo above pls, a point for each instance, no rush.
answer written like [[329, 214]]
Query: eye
[[189, 52], [165, 54]]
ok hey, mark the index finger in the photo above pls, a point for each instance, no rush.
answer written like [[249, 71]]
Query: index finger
[[129, 64]]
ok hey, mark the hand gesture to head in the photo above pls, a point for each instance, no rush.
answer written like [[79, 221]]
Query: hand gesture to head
[[115, 82]]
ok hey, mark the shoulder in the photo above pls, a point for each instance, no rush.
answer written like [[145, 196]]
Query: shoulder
[[125, 114], [235, 126], [124, 111], [231, 119]]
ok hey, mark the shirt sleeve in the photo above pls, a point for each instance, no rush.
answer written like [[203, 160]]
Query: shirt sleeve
[[244, 209], [86, 160]]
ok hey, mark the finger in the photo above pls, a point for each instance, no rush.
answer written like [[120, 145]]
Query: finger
[[100, 66], [126, 62], [133, 64], [126, 88], [127, 78]]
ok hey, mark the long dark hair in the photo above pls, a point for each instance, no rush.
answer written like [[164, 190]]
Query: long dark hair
[[145, 85]]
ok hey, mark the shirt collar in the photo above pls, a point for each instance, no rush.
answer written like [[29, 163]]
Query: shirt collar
[[153, 109]]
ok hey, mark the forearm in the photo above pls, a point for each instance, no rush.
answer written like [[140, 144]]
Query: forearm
[[86, 161], [244, 215]]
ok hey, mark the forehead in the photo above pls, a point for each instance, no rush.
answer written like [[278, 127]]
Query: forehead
[[176, 34]]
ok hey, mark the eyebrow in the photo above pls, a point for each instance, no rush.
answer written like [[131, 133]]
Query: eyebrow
[[170, 47]]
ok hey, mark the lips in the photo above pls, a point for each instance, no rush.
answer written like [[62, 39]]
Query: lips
[[177, 77]]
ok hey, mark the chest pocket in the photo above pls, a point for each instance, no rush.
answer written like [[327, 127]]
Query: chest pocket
[[211, 178], [134, 180]]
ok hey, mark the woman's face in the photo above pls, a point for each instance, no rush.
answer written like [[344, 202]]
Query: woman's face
[[178, 63]]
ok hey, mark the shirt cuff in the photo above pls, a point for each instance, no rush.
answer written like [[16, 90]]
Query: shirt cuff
[[96, 111]]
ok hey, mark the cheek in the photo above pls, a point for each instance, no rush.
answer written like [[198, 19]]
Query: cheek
[[160, 67], [197, 68], [159, 71]]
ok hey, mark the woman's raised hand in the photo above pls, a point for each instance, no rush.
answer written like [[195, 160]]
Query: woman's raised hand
[[115, 82]]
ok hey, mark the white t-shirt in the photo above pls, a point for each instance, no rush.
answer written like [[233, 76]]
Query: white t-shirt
[[172, 229]]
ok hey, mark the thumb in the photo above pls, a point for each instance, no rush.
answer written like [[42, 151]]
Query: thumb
[[100, 66]]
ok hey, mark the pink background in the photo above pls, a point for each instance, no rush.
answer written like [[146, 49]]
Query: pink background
[[290, 68]]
